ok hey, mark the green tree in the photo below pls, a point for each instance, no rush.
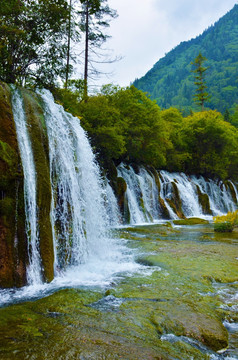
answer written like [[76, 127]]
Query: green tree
[[234, 117], [212, 145], [33, 39], [226, 115], [201, 94]]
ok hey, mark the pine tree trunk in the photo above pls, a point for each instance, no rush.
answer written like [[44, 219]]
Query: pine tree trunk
[[86, 52], [68, 47]]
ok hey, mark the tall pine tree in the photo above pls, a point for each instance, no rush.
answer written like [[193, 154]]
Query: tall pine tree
[[201, 95], [95, 16]]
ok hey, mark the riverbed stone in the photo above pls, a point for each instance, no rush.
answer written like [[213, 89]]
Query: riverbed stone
[[183, 320]]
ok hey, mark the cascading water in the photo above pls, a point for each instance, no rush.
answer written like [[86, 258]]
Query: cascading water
[[141, 193], [34, 268], [79, 219], [143, 198], [220, 197], [112, 207], [187, 192], [83, 208]]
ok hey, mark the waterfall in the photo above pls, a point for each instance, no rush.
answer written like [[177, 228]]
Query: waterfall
[[187, 192], [24, 143], [219, 196], [143, 194], [79, 218], [113, 211]]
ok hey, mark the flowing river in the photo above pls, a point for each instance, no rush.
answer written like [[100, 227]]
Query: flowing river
[[173, 296]]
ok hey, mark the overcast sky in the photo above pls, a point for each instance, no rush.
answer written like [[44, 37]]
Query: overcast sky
[[146, 30]]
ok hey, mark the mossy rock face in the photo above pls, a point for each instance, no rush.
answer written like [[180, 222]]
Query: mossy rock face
[[37, 132], [121, 187], [204, 202], [175, 201], [190, 221], [13, 248], [163, 209]]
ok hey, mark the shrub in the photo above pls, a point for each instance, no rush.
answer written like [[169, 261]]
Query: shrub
[[226, 223]]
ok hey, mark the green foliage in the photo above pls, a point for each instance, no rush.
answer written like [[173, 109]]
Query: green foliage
[[171, 82], [104, 126], [223, 227], [201, 95], [32, 41], [205, 144], [125, 125], [145, 132], [234, 118], [226, 223], [212, 144]]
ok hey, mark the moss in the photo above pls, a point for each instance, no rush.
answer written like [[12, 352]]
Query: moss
[[164, 212], [120, 190], [13, 252], [232, 191], [36, 126], [177, 299], [204, 202], [155, 174], [184, 320], [190, 221]]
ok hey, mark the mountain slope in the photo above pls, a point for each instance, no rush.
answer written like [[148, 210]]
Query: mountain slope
[[171, 81]]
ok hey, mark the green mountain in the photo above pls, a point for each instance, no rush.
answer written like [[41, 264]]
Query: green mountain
[[171, 83]]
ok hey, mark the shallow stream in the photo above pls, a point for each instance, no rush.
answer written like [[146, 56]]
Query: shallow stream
[[172, 295]]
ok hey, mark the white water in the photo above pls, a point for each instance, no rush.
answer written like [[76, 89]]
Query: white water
[[78, 192], [112, 208], [24, 143], [220, 198], [187, 192], [83, 208], [142, 194]]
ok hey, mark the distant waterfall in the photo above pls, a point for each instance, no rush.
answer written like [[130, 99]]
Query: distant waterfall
[[142, 194], [112, 207], [145, 197], [187, 192], [24, 143], [79, 217], [220, 197]]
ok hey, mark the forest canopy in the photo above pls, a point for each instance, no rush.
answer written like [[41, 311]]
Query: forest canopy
[[125, 125]]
